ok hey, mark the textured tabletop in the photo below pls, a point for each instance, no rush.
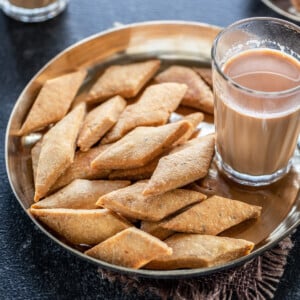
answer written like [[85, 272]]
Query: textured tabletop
[[31, 265]]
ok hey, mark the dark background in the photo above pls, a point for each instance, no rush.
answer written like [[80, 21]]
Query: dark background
[[31, 265]]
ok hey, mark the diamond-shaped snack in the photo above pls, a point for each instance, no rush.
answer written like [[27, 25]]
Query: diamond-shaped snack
[[35, 154], [57, 150], [205, 74], [200, 251], [182, 167], [98, 121], [124, 80], [131, 248], [213, 216], [187, 144], [80, 194], [155, 229], [53, 101], [140, 146], [198, 95], [194, 119], [145, 172], [138, 173], [81, 169], [81, 226], [152, 109], [130, 202]]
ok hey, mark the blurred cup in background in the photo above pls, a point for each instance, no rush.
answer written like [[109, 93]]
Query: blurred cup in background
[[33, 10]]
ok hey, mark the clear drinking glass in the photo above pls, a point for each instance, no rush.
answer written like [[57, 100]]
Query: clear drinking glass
[[256, 78], [33, 10]]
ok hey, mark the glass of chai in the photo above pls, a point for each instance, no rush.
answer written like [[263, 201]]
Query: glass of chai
[[33, 10], [256, 78]]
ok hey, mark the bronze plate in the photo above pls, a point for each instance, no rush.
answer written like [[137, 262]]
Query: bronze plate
[[181, 42]]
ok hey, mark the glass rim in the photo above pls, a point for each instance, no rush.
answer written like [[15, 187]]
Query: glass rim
[[234, 83]]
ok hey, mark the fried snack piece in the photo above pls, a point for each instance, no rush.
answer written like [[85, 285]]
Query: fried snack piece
[[187, 144], [140, 146], [35, 154], [152, 109], [205, 74], [81, 194], [80, 168], [182, 167], [138, 173], [131, 248], [99, 121], [130, 202], [155, 229], [57, 150], [123, 80], [198, 94], [194, 119], [200, 251], [213, 216], [53, 101], [82, 226], [145, 172]]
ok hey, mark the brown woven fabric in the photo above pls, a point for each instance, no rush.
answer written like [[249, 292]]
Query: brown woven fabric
[[256, 279]]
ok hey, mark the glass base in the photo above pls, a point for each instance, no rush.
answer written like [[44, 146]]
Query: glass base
[[32, 15], [250, 180]]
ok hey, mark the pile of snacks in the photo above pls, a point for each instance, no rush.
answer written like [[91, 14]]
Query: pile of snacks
[[113, 176]]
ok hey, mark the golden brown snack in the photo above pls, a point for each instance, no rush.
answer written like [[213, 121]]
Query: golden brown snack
[[205, 74], [98, 121], [155, 229], [131, 248], [194, 119], [152, 109], [138, 173], [200, 251], [81, 194], [82, 226], [140, 146], [130, 202], [213, 216], [80, 168], [35, 154], [53, 101], [182, 167], [123, 80], [198, 94], [145, 172], [187, 144], [57, 150]]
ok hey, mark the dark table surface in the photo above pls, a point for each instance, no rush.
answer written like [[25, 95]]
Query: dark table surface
[[31, 265]]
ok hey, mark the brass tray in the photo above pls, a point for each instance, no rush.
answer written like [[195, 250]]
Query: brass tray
[[181, 42], [284, 8]]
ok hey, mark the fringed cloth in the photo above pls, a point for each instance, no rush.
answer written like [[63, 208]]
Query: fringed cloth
[[256, 279]]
